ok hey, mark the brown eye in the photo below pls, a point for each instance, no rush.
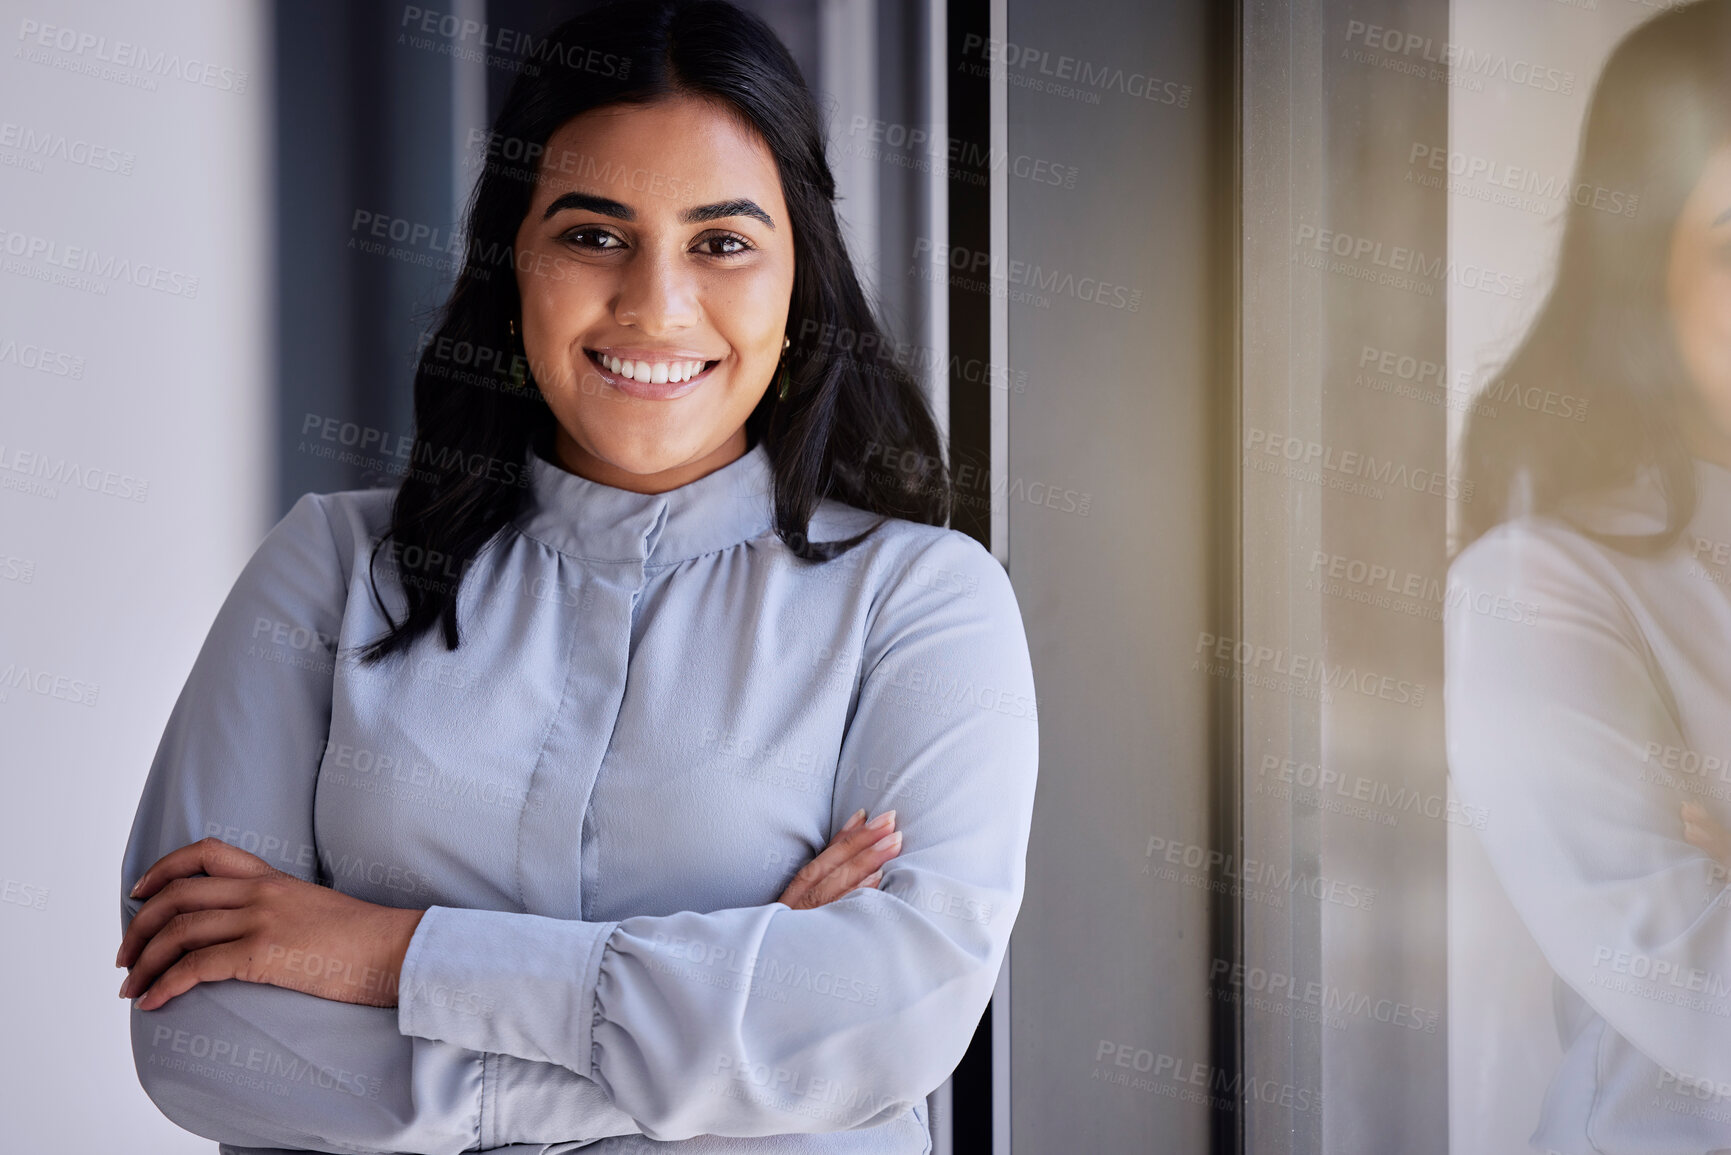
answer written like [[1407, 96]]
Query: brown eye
[[592, 239], [736, 244]]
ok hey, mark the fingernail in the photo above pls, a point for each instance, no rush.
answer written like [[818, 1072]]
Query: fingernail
[[122, 991], [888, 841], [881, 820], [855, 820], [872, 879], [133, 893]]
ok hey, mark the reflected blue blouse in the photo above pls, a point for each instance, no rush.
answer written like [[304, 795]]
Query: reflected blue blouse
[[656, 715]]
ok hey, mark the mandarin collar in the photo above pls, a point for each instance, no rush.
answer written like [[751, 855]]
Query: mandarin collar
[[596, 522]]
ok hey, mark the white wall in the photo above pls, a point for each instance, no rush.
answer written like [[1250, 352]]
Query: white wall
[[124, 139]]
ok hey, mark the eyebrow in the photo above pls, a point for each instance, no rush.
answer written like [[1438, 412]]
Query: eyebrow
[[608, 207]]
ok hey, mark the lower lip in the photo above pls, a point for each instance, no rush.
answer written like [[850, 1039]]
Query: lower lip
[[649, 390]]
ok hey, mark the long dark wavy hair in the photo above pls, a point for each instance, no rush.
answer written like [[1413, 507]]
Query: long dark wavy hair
[[849, 397], [1662, 106]]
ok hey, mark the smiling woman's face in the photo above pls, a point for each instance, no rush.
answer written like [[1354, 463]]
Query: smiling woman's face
[[1699, 292], [655, 267]]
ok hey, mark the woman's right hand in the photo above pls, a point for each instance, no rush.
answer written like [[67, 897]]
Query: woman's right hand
[[853, 858]]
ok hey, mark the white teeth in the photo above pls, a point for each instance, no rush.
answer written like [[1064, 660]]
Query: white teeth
[[658, 372]]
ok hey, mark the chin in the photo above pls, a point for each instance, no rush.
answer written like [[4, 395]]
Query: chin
[[649, 454]]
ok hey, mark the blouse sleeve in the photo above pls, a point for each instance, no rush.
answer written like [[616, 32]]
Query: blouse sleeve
[[260, 1066], [767, 1020], [1558, 726]]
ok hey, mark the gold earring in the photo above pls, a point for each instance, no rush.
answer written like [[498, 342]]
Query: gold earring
[[785, 377]]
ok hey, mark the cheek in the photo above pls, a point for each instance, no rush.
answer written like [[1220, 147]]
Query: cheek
[[1717, 303], [1704, 315]]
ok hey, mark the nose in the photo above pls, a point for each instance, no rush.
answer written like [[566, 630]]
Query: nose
[[657, 294]]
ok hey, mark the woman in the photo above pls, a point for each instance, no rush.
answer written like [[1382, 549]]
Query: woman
[[559, 722], [1595, 733]]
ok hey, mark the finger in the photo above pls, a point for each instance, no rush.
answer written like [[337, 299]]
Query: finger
[[178, 896], [184, 935], [843, 847], [206, 856], [855, 837], [1700, 835], [857, 869], [1714, 845], [209, 964], [858, 817], [802, 891]]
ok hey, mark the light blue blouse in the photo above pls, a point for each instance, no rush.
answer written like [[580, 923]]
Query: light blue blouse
[[656, 715]]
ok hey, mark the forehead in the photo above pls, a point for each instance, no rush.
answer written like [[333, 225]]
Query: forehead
[[671, 154]]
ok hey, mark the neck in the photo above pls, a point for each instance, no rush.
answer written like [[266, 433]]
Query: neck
[[575, 459]]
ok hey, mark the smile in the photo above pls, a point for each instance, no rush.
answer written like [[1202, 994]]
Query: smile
[[654, 372], [654, 380]]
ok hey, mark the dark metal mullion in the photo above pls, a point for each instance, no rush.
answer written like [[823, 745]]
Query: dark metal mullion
[[970, 448], [1227, 1131]]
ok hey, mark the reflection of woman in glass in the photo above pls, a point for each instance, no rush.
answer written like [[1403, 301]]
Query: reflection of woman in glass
[[558, 795], [1594, 724]]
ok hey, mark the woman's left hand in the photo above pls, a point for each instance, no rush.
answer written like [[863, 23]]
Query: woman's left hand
[[248, 920]]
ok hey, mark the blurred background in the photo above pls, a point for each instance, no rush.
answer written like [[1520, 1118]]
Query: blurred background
[[1110, 237]]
